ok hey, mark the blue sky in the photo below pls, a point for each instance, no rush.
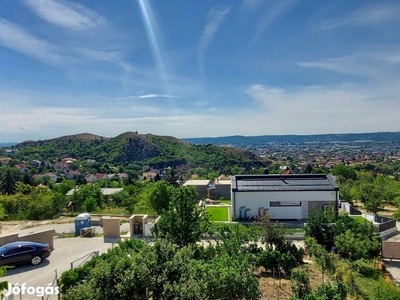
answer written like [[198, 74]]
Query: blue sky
[[189, 68]]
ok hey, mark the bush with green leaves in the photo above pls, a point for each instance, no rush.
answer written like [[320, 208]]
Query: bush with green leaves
[[365, 268], [162, 271]]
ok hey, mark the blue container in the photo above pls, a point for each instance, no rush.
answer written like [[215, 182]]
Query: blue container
[[81, 221]]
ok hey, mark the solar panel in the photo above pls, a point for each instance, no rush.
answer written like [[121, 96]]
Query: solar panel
[[275, 183]]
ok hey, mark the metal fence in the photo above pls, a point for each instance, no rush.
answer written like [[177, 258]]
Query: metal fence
[[84, 259], [386, 226], [384, 223]]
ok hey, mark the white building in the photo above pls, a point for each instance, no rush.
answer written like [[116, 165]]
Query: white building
[[283, 197]]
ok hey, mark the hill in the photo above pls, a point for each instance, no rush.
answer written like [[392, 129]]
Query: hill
[[131, 147]]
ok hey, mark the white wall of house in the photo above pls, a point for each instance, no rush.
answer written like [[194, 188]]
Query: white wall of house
[[255, 200]]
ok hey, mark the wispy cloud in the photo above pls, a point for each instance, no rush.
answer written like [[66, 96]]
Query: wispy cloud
[[65, 14], [147, 96], [251, 4], [214, 19], [366, 16], [277, 9], [114, 57], [16, 38], [366, 64]]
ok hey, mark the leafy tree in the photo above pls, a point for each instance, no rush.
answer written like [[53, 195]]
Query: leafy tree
[[371, 197], [234, 240], [159, 196], [65, 186], [90, 204], [212, 176], [319, 227], [40, 207], [8, 184], [90, 191], [23, 188], [182, 224], [346, 172], [352, 246], [345, 193], [272, 234], [162, 271]]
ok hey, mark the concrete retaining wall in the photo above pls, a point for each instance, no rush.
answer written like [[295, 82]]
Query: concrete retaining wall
[[8, 239], [45, 236]]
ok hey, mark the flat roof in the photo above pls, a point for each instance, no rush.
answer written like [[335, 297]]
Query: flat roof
[[284, 182], [105, 191], [196, 182], [223, 182]]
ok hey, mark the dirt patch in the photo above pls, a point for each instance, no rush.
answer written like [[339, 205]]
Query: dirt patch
[[273, 286], [387, 211]]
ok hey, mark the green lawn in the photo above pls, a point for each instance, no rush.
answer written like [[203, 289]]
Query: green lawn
[[226, 201], [242, 228], [360, 219], [217, 213]]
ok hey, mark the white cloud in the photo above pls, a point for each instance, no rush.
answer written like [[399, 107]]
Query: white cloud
[[16, 38], [366, 16], [270, 110], [215, 18], [277, 9], [322, 109], [65, 14], [147, 96]]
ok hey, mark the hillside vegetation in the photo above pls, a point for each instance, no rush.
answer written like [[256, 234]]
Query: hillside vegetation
[[130, 147]]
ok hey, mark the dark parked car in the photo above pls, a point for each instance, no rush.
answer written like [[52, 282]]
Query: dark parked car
[[23, 252]]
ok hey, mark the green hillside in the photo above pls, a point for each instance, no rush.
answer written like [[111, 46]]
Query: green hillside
[[131, 147]]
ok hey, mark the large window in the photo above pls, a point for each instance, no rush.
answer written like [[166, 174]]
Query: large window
[[284, 203]]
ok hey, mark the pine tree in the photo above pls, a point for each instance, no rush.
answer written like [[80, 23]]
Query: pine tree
[[172, 178], [8, 186]]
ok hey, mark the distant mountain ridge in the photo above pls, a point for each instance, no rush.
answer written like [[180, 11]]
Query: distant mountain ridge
[[238, 140]]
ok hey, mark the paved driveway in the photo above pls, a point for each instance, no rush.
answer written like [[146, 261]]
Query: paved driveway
[[66, 251]]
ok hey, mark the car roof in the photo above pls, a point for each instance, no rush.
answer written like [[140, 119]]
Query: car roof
[[23, 243]]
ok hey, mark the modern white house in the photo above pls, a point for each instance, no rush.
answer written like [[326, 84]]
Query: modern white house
[[282, 196]]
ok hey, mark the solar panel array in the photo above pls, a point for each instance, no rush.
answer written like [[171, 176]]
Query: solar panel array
[[284, 183]]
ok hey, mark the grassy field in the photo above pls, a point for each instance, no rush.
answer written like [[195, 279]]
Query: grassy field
[[217, 213]]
